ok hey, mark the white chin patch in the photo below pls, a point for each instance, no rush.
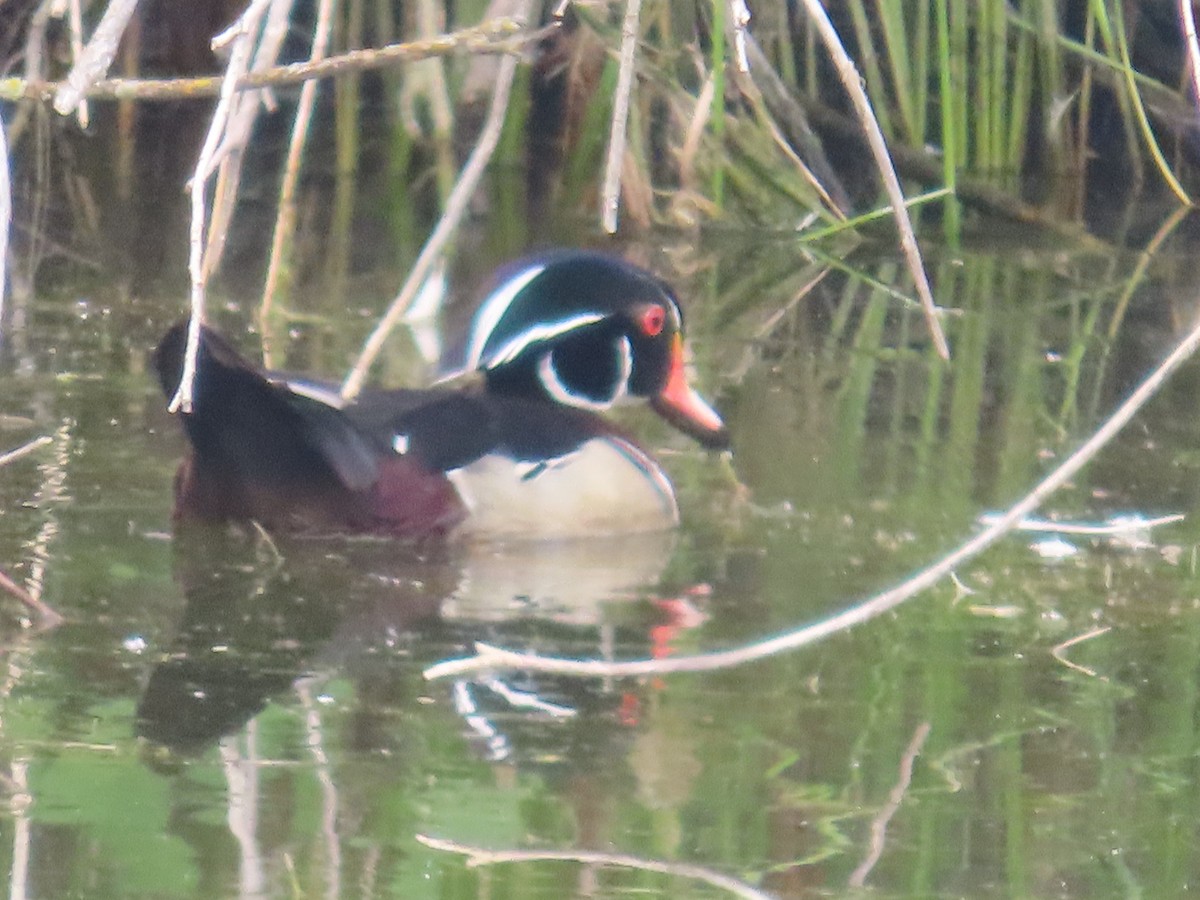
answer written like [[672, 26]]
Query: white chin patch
[[561, 392]]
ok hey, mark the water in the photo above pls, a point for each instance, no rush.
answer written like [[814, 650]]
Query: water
[[224, 715]]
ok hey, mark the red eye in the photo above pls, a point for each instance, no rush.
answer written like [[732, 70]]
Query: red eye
[[652, 321]]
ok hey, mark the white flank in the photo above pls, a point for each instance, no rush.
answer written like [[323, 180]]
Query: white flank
[[606, 486]]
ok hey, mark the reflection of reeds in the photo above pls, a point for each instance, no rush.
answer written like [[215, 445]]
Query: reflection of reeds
[[704, 101]]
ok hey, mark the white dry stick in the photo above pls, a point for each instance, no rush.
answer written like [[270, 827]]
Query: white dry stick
[[75, 22], [481, 856], [456, 208], [852, 82], [1059, 651], [24, 450], [93, 64], [285, 223], [240, 34], [242, 115], [1193, 48], [489, 658], [880, 823], [5, 217], [740, 19], [1118, 526], [610, 196]]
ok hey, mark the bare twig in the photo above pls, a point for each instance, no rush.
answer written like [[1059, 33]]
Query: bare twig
[[286, 219], [610, 195], [739, 21], [488, 657], [456, 208], [880, 823], [1188, 15], [75, 23], [695, 131], [93, 64], [239, 34], [503, 35], [908, 240], [1117, 526], [48, 617], [5, 217], [481, 856], [236, 133], [24, 450], [1059, 651]]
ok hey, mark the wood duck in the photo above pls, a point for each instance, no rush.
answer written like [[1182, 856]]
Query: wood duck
[[523, 454]]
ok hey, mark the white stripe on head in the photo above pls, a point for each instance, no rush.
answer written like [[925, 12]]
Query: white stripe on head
[[544, 332], [555, 388], [493, 309]]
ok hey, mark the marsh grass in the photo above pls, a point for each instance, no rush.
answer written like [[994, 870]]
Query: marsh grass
[[985, 106]]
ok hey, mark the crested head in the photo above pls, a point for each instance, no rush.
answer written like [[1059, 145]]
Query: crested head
[[585, 329]]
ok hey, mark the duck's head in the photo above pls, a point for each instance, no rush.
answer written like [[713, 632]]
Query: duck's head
[[587, 330]]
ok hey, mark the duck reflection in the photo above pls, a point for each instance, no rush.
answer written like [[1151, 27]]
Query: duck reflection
[[260, 615]]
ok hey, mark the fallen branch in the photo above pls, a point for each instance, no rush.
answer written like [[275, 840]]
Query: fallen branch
[[925, 166], [480, 856], [488, 657], [503, 35]]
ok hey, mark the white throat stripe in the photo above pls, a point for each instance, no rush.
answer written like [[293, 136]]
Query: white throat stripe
[[555, 388]]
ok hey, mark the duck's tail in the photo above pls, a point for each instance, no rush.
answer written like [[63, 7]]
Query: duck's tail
[[250, 429]]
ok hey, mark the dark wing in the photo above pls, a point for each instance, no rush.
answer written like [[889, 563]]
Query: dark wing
[[243, 421], [446, 430]]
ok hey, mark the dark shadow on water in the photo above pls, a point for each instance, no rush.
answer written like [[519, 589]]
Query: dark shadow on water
[[260, 616]]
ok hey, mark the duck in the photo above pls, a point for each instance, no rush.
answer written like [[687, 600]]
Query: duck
[[512, 445]]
